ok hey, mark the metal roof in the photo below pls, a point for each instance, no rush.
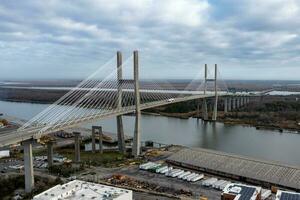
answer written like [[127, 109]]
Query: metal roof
[[261, 170]]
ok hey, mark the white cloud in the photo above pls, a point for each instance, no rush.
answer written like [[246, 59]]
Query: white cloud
[[173, 34]]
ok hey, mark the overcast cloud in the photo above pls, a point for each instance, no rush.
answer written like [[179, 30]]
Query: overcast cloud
[[249, 39]]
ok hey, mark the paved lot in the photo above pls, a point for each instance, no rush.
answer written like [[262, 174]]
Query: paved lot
[[98, 173]]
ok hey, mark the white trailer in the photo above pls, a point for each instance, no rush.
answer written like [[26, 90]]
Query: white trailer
[[161, 169], [177, 173], [222, 186], [184, 174], [189, 176], [173, 172], [218, 186], [164, 171], [143, 166], [197, 178], [151, 166], [217, 183], [209, 182]]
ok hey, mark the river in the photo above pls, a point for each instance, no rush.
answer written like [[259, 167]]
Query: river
[[243, 140]]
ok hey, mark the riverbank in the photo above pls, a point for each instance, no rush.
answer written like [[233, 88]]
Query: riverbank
[[268, 112], [246, 120]]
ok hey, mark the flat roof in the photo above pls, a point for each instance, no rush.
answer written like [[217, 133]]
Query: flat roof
[[84, 190], [245, 192], [287, 195], [261, 170]]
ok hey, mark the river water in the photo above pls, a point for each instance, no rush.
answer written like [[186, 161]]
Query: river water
[[264, 144]]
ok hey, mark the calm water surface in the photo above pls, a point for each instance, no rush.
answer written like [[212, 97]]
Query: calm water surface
[[271, 145]]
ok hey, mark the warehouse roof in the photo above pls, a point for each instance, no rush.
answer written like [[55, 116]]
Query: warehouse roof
[[261, 170]]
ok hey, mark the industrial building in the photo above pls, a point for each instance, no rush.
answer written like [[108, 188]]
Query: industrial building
[[234, 191], [84, 190], [256, 171], [285, 195]]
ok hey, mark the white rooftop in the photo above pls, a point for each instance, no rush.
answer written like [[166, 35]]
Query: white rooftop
[[84, 190], [286, 195], [242, 191]]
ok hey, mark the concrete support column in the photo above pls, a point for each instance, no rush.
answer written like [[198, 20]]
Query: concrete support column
[[238, 102], [215, 113], [229, 104], [93, 139], [120, 129], [77, 146], [233, 103], [100, 139], [198, 108], [210, 107], [28, 166], [204, 102], [204, 110], [136, 150], [50, 153], [225, 105]]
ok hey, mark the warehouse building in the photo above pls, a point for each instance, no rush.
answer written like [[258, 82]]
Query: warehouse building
[[234, 191], [84, 190], [285, 195]]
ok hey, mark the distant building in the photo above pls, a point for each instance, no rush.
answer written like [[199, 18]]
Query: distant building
[[84, 190], [4, 153], [285, 195], [234, 191]]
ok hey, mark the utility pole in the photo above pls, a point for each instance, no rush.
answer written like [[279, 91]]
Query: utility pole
[[136, 140], [204, 102], [215, 113], [120, 129]]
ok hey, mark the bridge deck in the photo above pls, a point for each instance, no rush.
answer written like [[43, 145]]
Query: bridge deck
[[238, 167]]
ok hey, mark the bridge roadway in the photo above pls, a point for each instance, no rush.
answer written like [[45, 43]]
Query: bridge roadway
[[12, 137]]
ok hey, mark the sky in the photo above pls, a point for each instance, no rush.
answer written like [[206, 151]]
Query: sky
[[66, 39]]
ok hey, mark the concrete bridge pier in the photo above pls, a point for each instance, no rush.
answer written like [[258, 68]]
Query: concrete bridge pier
[[93, 139], [225, 105], [233, 103], [136, 150], [198, 108], [210, 107], [215, 112], [229, 104], [77, 146], [204, 110], [242, 101], [120, 129], [100, 131], [50, 145], [97, 131], [238, 102], [28, 166]]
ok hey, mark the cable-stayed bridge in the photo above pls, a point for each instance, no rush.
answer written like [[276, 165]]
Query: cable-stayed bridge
[[119, 91]]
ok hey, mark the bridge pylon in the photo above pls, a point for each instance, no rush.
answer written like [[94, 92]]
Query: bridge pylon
[[204, 102], [136, 149], [215, 113], [120, 129]]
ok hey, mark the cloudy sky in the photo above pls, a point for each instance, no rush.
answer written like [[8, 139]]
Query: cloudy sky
[[249, 39]]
